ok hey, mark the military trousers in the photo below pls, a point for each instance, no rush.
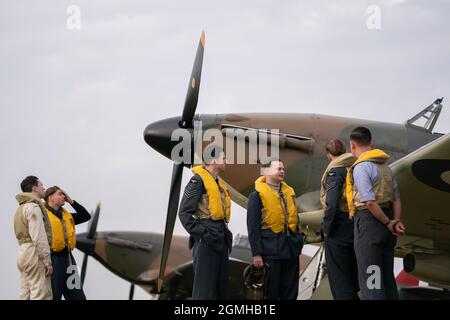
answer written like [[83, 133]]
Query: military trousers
[[342, 269], [210, 272], [283, 279], [374, 248], [34, 285], [65, 277]]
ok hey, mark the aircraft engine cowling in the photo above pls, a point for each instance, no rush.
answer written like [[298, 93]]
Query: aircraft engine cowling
[[433, 268]]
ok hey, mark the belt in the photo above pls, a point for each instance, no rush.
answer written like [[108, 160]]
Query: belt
[[63, 252], [24, 240], [385, 205]]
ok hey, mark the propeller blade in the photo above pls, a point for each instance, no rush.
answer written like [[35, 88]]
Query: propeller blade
[[172, 209], [92, 229], [131, 295], [190, 103], [83, 269]]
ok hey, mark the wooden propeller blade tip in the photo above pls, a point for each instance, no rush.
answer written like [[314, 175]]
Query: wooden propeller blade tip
[[203, 39]]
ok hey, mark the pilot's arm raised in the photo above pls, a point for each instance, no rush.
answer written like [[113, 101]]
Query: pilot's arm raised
[[81, 214]]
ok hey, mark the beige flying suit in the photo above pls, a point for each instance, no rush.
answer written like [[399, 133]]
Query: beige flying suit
[[34, 250]]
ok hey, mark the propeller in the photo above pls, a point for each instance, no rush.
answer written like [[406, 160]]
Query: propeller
[[190, 106], [92, 230], [131, 295]]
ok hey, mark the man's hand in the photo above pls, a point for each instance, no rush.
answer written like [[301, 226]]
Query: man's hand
[[48, 271], [258, 261], [399, 228], [68, 198], [391, 225]]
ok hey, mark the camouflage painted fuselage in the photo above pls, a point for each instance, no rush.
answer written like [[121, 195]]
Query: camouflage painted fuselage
[[305, 166]]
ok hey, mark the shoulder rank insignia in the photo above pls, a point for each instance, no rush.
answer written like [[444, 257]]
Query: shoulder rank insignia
[[191, 189], [331, 185]]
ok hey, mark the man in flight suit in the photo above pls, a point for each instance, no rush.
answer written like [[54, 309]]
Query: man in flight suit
[[374, 201], [274, 232], [63, 242], [34, 261], [205, 213], [337, 227]]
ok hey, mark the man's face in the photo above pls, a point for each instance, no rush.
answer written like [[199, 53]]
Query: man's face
[[39, 190], [220, 162], [277, 171], [58, 198], [353, 148]]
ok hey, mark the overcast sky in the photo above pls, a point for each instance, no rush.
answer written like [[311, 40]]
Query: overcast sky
[[74, 103]]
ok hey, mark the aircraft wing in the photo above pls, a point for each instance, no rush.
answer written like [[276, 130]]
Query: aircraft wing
[[424, 182]]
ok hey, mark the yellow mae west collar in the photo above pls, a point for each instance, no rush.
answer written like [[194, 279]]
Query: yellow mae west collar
[[375, 155], [63, 230], [343, 161], [217, 208], [274, 216]]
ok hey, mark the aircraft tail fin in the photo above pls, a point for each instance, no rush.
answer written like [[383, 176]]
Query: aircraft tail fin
[[427, 118]]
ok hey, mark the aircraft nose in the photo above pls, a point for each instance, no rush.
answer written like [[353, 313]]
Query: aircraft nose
[[158, 135], [85, 244]]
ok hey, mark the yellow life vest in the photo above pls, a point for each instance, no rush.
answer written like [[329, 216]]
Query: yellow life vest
[[273, 212], [63, 231], [218, 195], [377, 156], [343, 161]]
